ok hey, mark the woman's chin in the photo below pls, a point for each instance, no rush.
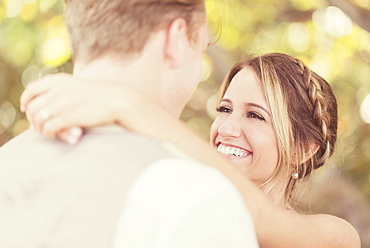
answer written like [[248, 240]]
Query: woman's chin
[[243, 163]]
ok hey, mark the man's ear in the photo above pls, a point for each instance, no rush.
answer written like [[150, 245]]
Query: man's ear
[[176, 35]]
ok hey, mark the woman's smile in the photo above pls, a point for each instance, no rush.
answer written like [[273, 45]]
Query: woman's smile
[[232, 151]]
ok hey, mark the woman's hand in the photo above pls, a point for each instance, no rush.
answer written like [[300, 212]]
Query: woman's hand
[[58, 105]]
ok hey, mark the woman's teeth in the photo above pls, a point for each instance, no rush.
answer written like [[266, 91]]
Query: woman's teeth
[[232, 151]]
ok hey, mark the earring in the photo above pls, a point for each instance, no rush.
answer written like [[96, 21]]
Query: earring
[[295, 175]]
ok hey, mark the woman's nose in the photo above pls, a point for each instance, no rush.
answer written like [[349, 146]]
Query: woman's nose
[[230, 127]]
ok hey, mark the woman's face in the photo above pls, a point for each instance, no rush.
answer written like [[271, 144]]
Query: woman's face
[[243, 131]]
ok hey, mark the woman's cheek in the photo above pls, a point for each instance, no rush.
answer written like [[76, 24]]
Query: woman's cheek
[[214, 130]]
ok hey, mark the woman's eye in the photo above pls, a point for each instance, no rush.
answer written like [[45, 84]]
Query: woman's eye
[[223, 110], [255, 115]]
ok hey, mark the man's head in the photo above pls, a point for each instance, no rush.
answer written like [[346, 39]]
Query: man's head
[[154, 45], [124, 26]]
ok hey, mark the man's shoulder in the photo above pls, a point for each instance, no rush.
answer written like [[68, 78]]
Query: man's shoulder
[[129, 146], [188, 174], [99, 151], [17, 147], [109, 141]]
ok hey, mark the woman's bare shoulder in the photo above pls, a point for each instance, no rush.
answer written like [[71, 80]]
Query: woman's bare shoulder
[[336, 231]]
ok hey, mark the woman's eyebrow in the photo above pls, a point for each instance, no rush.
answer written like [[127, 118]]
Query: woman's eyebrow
[[248, 104], [251, 104], [226, 100]]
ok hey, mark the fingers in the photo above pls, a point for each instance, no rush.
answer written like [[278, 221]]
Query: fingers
[[33, 90], [71, 135], [53, 125], [40, 86], [39, 110], [59, 126], [44, 108]]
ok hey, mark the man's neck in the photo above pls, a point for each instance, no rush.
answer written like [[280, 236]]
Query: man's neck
[[113, 69], [139, 73]]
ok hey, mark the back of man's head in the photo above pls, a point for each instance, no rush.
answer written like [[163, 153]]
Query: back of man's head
[[124, 26]]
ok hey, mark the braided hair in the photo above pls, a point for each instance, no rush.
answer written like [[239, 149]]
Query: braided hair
[[304, 116]]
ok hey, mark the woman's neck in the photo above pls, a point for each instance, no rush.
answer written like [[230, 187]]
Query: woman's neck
[[277, 195]]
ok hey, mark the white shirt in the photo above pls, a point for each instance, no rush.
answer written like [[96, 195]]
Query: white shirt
[[178, 203], [115, 189]]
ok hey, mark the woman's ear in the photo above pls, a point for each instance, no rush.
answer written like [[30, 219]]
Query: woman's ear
[[176, 35], [308, 152]]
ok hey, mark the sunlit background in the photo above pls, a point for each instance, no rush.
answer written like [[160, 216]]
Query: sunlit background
[[331, 36]]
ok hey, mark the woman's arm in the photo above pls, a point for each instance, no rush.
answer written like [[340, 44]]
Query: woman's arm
[[73, 102], [70, 102], [275, 227]]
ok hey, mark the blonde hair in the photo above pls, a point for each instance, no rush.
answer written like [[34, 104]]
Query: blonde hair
[[303, 112], [124, 26]]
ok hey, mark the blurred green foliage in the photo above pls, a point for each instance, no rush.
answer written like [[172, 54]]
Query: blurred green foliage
[[34, 42]]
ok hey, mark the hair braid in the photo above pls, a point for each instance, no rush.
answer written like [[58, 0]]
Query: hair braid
[[317, 89]]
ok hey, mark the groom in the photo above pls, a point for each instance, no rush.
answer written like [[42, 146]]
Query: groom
[[117, 188]]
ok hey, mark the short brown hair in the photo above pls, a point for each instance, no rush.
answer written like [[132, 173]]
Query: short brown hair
[[124, 26], [304, 113]]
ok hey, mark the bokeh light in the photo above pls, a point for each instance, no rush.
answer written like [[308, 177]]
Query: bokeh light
[[207, 68], [46, 5], [365, 109], [56, 51], [7, 115], [299, 37], [14, 8], [29, 11], [333, 21]]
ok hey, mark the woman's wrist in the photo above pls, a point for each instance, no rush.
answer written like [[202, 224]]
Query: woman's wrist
[[127, 106]]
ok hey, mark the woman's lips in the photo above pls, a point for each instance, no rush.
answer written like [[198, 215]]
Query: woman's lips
[[232, 151]]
